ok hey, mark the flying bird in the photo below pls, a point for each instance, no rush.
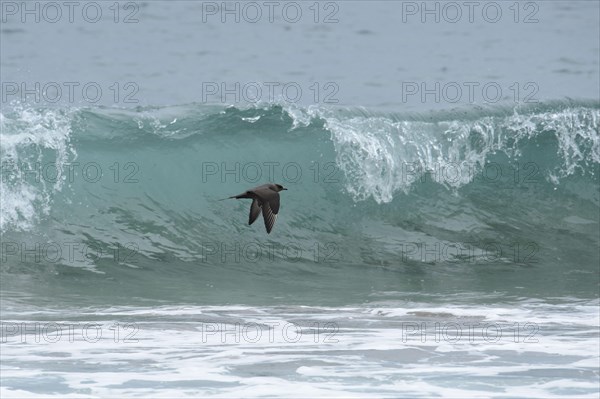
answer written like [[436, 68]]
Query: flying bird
[[265, 198]]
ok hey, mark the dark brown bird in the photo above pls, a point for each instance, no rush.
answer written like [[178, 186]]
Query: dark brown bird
[[265, 198]]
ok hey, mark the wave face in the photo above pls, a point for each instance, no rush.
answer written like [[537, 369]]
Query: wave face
[[123, 203]]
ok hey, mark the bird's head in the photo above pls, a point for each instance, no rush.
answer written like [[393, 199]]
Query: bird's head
[[279, 187]]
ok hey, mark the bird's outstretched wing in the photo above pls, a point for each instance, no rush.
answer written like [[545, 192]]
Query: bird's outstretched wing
[[269, 215], [254, 211], [270, 207]]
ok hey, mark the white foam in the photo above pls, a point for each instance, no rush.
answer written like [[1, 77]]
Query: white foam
[[25, 135], [198, 351], [380, 155]]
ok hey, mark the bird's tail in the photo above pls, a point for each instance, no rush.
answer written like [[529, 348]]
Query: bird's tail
[[243, 195]]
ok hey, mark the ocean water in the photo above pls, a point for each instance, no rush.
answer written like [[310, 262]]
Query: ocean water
[[439, 236]]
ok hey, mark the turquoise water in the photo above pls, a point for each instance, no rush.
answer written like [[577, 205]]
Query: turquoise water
[[423, 248], [375, 203]]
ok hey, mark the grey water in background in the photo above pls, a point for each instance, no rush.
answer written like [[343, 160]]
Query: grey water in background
[[377, 281], [372, 49]]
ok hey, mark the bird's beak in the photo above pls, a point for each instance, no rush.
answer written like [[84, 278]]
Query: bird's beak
[[284, 188]]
